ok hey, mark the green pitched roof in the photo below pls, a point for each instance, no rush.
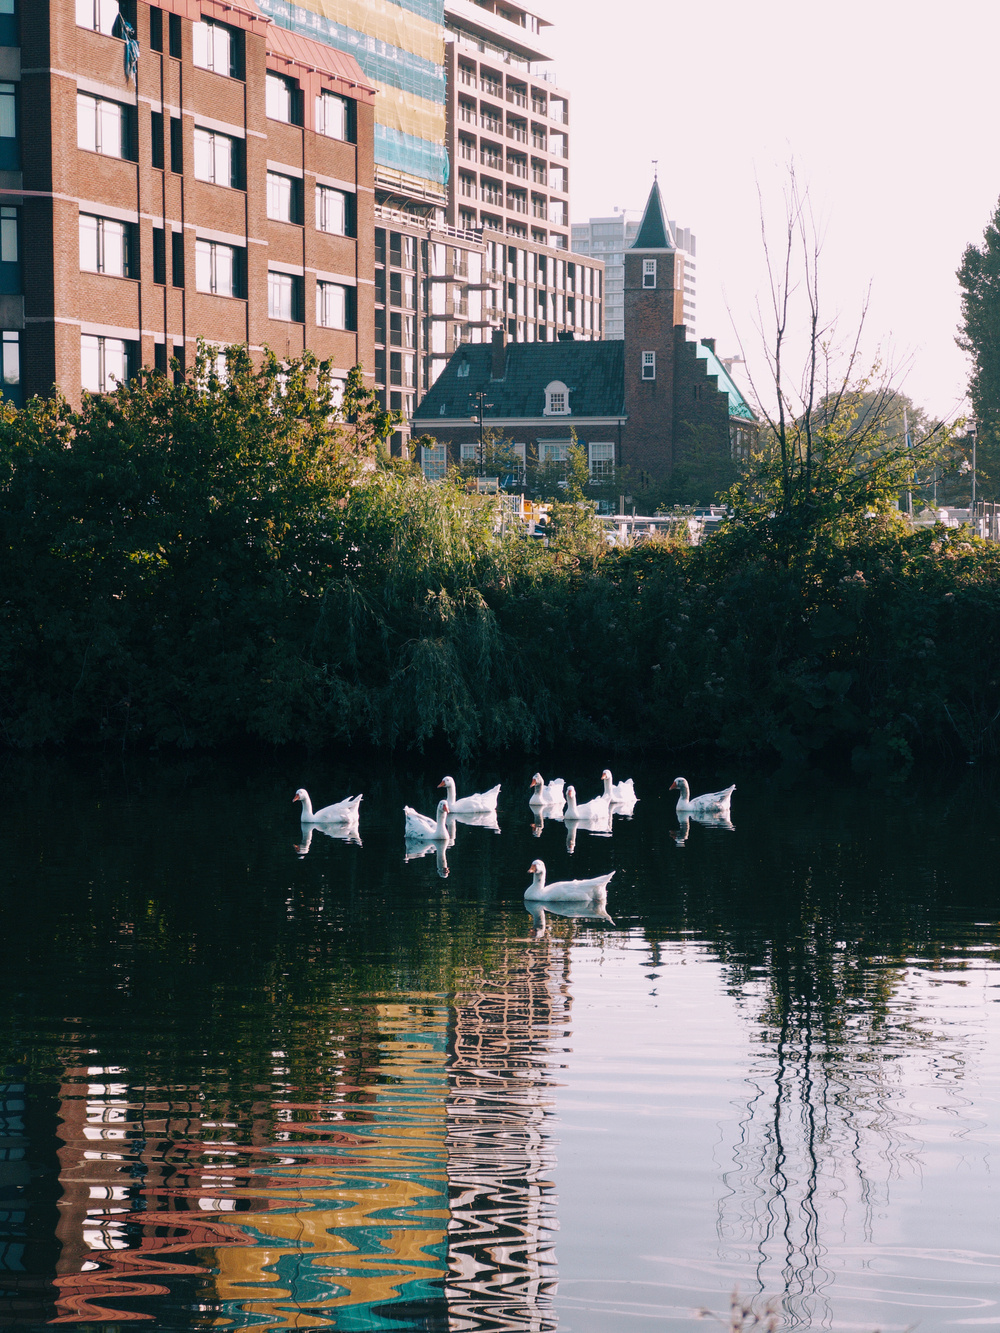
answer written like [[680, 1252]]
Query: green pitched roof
[[654, 230], [593, 372], [738, 406]]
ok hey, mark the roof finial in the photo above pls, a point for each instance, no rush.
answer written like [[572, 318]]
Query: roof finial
[[656, 168]]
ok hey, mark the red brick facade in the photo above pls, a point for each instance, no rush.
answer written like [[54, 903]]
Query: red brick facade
[[169, 98]]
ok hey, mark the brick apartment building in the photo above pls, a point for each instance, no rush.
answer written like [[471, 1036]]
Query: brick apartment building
[[224, 191], [637, 403]]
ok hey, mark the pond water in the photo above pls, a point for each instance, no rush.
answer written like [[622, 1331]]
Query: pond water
[[250, 1080]]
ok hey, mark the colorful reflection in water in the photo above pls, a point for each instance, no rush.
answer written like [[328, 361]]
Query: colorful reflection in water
[[259, 1081]]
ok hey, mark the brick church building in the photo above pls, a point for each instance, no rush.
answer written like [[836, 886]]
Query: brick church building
[[640, 403]]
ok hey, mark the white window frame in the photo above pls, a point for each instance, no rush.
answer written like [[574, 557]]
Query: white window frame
[[106, 356], [327, 302], [649, 273], [327, 209], [106, 241], [601, 453], [553, 451], [101, 125], [9, 225], [649, 366], [216, 261], [279, 98], [214, 47], [468, 452], [434, 462], [10, 349], [215, 156], [281, 295], [281, 198], [333, 121], [97, 15], [557, 400]]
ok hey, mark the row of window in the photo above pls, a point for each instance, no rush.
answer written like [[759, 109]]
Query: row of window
[[551, 453], [109, 128], [108, 246]]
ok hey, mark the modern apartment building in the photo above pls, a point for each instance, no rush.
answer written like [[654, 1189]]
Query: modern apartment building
[[607, 239], [222, 188], [452, 266]]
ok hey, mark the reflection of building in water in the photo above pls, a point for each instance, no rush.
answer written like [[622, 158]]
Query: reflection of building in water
[[342, 1202], [397, 1174], [500, 1154]]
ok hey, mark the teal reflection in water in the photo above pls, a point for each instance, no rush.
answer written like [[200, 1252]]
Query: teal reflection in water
[[261, 1079]]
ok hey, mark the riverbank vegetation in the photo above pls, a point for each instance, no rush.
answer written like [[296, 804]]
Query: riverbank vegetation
[[203, 564]]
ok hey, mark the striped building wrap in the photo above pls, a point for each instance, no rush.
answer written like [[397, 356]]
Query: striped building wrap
[[399, 45]]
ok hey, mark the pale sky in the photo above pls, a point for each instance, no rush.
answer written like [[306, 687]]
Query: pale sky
[[886, 108]]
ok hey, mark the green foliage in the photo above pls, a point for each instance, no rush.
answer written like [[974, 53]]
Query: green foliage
[[204, 563], [979, 335]]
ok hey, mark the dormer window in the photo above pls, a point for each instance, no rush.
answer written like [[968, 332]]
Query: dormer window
[[649, 273], [556, 399], [463, 370]]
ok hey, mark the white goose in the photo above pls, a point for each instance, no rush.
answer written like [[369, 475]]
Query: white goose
[[564, 890], [547, 793], [618, 793], [479, 803], [343, 812], [598, 810], [711, 801], [424, 829]]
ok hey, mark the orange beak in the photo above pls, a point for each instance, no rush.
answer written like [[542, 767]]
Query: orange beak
[[296, 798]]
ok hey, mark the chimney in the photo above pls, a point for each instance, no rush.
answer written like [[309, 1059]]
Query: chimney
[[709, 343], [499, 371]]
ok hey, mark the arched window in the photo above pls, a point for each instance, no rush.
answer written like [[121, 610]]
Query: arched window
[[556, 399]]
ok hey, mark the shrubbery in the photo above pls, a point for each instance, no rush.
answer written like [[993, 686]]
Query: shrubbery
[[198, 565]]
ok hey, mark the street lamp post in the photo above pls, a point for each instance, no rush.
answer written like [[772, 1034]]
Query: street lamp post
[[481, 400]]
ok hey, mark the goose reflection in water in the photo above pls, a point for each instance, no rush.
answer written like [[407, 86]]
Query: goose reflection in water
[[478, 819], [418, 847], [718, 820], [339, 832], [592, 911]]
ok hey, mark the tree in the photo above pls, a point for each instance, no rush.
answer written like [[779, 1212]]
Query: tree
[[828, 456], [979, 335]]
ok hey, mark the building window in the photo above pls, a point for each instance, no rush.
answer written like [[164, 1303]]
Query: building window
[[553, 453], [216, 158], [101, 126], [97, 15], [284, 296], [177, 258], [11, 352], [216, 48], [434, 461], [556, 399], [104, 363], [283, 193], [468, 452], [280, 99], [176, 144], [160, 263], [649, 272], [8, 236], [333, 211], [106, 246], [218, 268], [602, 461], [649, 365], [334, 306], [332, 116]]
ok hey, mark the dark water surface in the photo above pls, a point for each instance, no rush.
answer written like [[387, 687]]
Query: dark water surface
[[252, 1084]]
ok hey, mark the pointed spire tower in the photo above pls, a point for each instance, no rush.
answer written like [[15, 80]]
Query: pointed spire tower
[[654, 308]]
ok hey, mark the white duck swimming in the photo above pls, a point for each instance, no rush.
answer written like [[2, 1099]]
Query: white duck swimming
[[564, 890], [479, 803], [547, 793], [618, 793], [711, 801], [343, 812], [422, 828], [597, 810]]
